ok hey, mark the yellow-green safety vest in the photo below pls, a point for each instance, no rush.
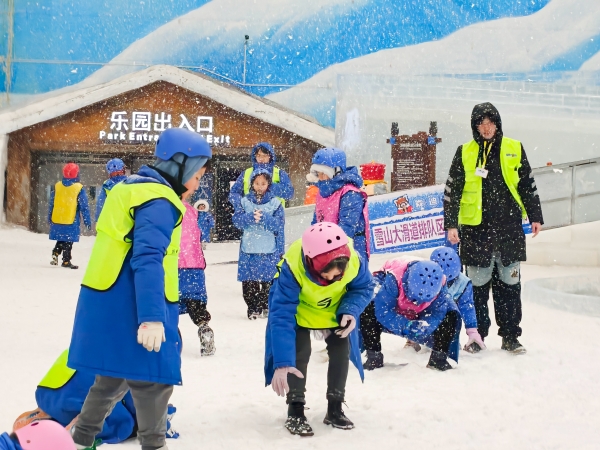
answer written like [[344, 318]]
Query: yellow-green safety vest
[[471, 202], [59, 374], [115, 223], [318, 304], [65, 203], [248, 175]]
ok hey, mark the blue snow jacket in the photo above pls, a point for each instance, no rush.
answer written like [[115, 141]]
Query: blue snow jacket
[[260, 266], [280, 339], [70, 233], [206, 222], [107, 186], [461, 290], [351, 218], [284, 189], [65, 403], [6, 443], [104, 340], [192, 286], [419, 330]]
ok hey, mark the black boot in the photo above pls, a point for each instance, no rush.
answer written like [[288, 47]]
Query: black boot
[[374, 360], [438, 361], [336, 417], [296, 422], [473, 348], [68, 265], [512, 345]]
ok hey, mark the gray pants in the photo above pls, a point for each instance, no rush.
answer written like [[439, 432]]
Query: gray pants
[[150, 399]]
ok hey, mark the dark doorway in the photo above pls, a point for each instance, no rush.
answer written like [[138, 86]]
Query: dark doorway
[[226, 172]]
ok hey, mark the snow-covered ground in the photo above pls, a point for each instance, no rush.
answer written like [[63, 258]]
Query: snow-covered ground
[[547, 399]]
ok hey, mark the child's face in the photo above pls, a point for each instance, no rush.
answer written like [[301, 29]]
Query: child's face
[[333, 275], [322, 176], [193, 184], [260, 185], [202, 207], [262, 157]]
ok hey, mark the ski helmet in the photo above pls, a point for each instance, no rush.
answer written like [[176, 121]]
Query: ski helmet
[[331, 157], [45, 434], [179, 140], [422, 281], [71, 170], [115, 165], [448, 260], [321, 238]]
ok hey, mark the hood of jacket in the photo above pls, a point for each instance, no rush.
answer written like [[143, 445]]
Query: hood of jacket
[[349, 176], [70, 181], [479, 113], [268, 147]]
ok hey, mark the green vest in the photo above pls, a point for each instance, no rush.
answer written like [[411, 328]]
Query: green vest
[[318, 304], [471, 202], [59, 374], [248, 175], [115, 223]]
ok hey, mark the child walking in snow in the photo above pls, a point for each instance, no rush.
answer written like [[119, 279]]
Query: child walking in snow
[[412, 301], [68, 201], [206, 221], [42, 435], [323, 285], [261, 219], [192, 281]]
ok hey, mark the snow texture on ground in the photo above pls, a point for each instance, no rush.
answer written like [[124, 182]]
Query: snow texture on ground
[[546, 399]]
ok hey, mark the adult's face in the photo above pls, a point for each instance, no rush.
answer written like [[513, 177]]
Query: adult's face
[[487, 129]]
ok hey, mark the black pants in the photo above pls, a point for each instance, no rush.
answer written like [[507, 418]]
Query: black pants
[[64, 248], [371, 330], [256, 294], [507, 307], [197, 311], [338, 350]]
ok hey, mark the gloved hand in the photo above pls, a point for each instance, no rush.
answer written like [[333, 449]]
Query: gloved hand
[[279, 382], [474, 336], [151, 335], [348, 323], [257, 215]]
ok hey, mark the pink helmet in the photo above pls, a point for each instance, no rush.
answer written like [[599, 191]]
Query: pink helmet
[[321, 238], [45, 435]]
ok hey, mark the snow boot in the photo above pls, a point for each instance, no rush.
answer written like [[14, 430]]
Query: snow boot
[[265, 313], [335, 416], [207, 340], [512, 345], [68, 265], [411, 344], [438, 361], [296, 422], [374, 360], [253, 315], [54, 261], [473, 348]]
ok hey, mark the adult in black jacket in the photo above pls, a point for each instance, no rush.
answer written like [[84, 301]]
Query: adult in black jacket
[[492, 241]]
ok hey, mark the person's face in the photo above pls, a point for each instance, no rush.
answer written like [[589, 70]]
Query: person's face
[[193, 183], [322, 176], [262, 157], [333, 274], [202, 207], [260, 185], [487, 128]]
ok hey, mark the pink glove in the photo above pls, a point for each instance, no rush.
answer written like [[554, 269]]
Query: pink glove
[[474, 336], [279, 382], [348, 323]]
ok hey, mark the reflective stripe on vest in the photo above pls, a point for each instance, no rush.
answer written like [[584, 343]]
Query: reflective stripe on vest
[[59, 374], [471, 202], [318, 304], [116, 222], [248, 175], [65, 203]]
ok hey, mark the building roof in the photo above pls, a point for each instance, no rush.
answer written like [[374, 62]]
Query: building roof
[[71, 99]]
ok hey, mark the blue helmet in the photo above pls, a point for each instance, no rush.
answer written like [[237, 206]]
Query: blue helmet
[[448, 260], [331, 157], [180, 140], [115, 165], [422, 281]]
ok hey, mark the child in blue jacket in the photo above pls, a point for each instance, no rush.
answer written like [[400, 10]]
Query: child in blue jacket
[[42, 435], [261, 218], [322, 285], [206, 221], [68, 201], [116, 172]]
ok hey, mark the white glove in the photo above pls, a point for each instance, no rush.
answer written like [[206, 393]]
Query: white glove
[[279, 382], [348, 323], [151, 335]]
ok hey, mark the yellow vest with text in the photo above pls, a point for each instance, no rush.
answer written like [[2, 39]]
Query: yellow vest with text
[[59, 374], [65, 203], [471, 202], [248, 175], [116, 222], [318, 304]]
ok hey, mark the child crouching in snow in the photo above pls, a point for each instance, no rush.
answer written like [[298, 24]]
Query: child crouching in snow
[[42, 435], [192, 280], [412, 301], [262, 221], [323, 285]]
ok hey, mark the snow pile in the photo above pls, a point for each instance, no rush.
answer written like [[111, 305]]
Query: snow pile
[[580, 295]]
